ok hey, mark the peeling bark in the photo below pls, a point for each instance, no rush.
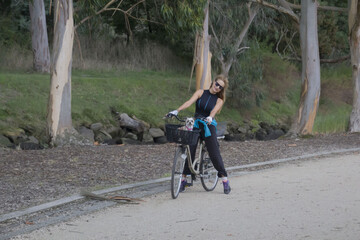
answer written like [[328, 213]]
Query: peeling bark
[[354, 31], [39, 36], [310, 79], [59, 105], [206, 48]]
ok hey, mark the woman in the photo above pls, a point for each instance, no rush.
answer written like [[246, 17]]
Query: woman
[[208, 104]]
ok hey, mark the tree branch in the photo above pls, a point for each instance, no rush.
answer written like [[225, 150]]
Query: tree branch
[[107, 8], [252, 14], [335, 60], [279, 8], [324, 8], [331, 60]]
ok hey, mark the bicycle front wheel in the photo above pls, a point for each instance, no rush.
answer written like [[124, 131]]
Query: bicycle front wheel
[[208, 173], [177, 170]]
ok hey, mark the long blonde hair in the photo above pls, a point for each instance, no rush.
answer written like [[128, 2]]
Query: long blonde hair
[[222, 93]]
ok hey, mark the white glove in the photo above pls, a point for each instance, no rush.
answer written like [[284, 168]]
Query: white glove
[[175, 112], [208, 119]]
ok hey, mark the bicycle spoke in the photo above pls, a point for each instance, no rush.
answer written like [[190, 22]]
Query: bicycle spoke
[[177, 170], [208, 174]]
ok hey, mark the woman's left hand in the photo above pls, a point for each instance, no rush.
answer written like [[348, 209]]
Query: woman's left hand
[[208, 120]]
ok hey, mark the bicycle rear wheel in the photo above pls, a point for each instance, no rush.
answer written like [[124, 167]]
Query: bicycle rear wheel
[[208, 173], [177, 170]]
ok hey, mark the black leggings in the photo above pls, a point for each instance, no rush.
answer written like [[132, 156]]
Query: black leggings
[[212, 147]]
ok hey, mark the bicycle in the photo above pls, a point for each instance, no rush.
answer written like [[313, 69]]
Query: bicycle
[[200, 166]]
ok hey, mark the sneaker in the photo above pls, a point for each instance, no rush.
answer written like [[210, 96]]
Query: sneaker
[[227, 187], [183, 185]]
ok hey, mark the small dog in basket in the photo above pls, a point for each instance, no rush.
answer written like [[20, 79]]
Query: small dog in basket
[[189, 124]]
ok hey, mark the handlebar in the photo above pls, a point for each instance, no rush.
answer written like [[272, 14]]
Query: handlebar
[[169, 115]]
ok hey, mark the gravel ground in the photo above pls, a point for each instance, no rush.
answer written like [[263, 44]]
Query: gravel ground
[[29, 178]]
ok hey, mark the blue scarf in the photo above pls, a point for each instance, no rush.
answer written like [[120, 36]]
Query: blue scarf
[[206, 128]]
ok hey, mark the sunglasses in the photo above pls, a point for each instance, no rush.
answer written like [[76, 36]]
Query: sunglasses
[[219, 86]]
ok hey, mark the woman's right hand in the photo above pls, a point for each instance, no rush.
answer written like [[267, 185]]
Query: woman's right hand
[[172, 113]]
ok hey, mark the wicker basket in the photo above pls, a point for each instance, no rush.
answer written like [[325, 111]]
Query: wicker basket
[[176, 135]]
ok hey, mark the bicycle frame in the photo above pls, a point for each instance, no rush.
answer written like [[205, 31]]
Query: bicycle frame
[[194, 166]]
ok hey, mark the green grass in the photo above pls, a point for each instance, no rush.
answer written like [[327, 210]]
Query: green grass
[[332, 118], [148, 95]]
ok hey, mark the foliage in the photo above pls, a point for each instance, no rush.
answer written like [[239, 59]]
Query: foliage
[[283, 34], [14, 24], [246, 79], [182, 19], [170, 22]]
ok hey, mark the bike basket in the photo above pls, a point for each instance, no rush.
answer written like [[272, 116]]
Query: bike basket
[[176, 135]]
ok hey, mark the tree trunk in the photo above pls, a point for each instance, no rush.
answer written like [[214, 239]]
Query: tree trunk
[[39, 37], [310, 79], [200, 70], [354, 32], [205, 49], [59, 106]]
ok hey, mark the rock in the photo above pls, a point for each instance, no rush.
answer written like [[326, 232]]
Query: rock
[[275, 134], [147, 138], [30, 146], [96, 126], [33, 140], [5, 142], [266, 127], [129, 141], [127, 122], [70, 137], [160, 140], [260, 134], [114, 141], [235, 137], [242, 130], [221, 129], [115, 131], [156, 132], [16, 136], [131, 136], [87, 133], [232, 127], [249, 135], [145, 124], [102, 136]]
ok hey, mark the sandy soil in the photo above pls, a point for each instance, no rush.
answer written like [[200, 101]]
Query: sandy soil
[[29, 178], [317, 199]]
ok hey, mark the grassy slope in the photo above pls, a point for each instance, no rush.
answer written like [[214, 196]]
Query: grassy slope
[[336, 100], [149, 95]]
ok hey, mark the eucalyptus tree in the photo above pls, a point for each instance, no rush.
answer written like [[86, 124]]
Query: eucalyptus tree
[[354, 38], [229, 28], [310, 77], [59, 121], [39, 36]]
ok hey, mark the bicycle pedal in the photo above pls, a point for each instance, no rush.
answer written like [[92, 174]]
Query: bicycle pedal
[[189, 184]]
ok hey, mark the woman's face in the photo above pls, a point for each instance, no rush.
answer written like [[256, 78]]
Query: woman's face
[[218, 85]]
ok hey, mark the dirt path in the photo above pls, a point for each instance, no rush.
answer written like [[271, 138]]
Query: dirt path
[[30, 178], [317, 199]]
